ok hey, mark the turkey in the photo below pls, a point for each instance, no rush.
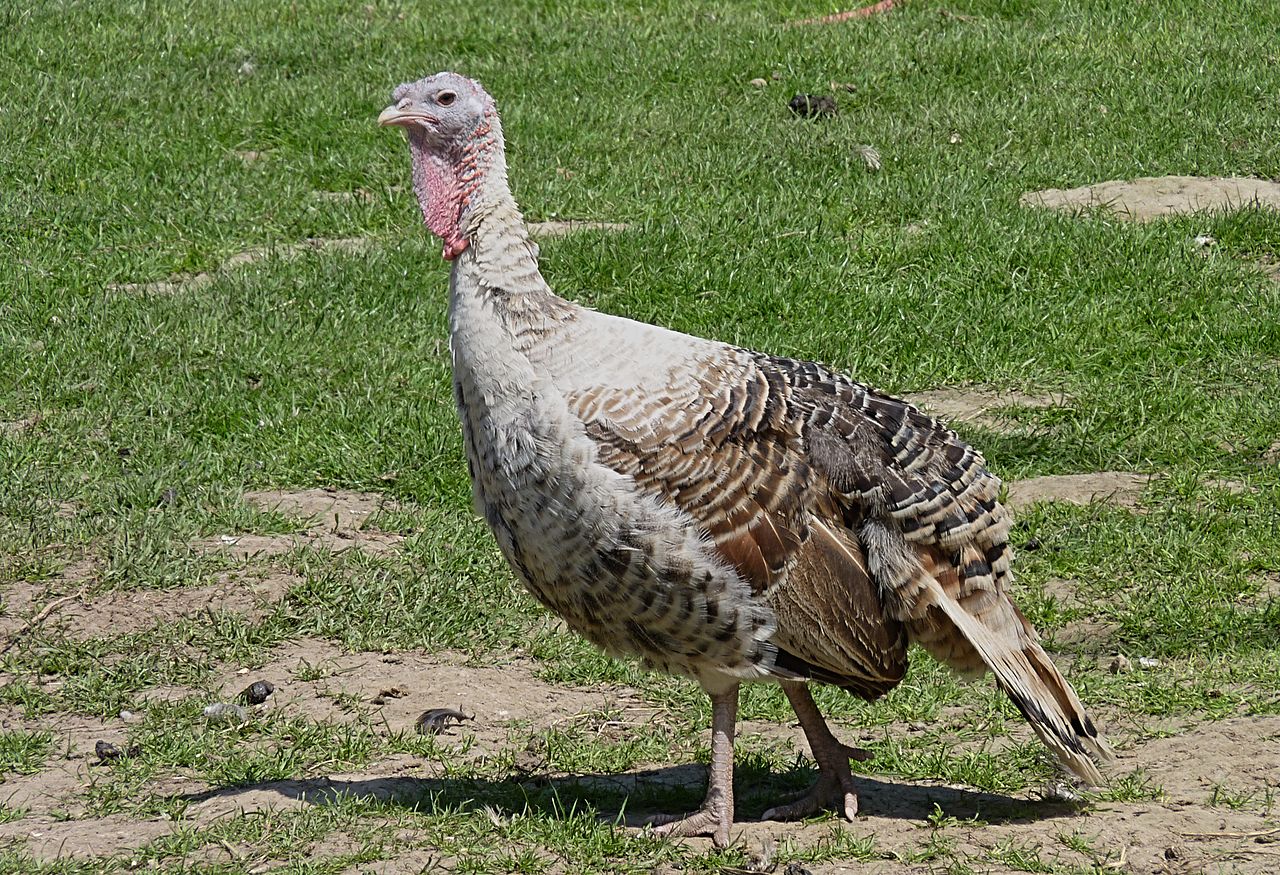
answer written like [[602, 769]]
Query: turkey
[[718, 513]]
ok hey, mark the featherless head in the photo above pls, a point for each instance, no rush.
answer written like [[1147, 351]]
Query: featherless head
[[441, 112], [455, 140]]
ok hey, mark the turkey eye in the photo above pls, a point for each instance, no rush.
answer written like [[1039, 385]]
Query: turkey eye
[[445, 98]]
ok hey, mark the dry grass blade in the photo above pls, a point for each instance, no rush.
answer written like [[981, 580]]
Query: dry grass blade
[[40, 618]]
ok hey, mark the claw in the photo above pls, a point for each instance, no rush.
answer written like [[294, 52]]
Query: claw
[[706, 822]]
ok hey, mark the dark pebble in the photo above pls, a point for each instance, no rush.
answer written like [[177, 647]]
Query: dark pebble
[[257, 692]]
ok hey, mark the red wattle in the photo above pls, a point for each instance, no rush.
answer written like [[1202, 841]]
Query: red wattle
[[436, 183]]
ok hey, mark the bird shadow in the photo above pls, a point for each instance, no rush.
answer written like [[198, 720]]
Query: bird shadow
[[627, 799]]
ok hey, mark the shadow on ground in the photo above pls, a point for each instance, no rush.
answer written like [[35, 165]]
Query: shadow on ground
[[629, 797]]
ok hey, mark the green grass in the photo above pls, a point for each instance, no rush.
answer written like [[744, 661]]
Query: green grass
[[144, 416]]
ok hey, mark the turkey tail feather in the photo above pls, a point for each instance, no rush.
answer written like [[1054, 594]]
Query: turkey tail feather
[[970, 624], [1027, 675]]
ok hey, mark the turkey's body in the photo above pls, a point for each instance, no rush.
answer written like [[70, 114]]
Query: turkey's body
[[624, 568], [719, 513]]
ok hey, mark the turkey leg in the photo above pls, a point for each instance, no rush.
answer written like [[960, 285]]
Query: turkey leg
[[834, 788], [716, 815]]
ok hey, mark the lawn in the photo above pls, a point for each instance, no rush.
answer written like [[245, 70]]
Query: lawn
[[228, 450]]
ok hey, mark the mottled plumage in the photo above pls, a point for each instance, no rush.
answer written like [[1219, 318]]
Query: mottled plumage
[[716, 512]]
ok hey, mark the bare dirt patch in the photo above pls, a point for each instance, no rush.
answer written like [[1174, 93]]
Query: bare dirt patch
[[284, 251], [1153, 197], [1179, 833], [1121, 488], [981, 405], [319, 679], [57, 787], [16, 427], [1087, 633], [572, 226], [334, 519], [125, 611], [47, 839]]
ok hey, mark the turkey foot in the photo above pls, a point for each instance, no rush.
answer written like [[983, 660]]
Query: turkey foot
[[832, 791], [712, 821], [834, 788], [716, 815]]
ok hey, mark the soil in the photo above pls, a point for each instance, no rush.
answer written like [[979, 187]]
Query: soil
[[981, 405], [1122, 488], [191, 281], [1153, 197], [332, 519], [249, 594], [1181, 832], [571, 226]]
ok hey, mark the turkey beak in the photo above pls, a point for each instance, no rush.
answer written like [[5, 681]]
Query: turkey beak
[[395, 115]]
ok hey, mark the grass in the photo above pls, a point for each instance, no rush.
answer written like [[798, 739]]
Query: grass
[[144, 140]]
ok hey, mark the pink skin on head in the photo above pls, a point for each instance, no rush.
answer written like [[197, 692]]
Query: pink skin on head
[[445, 179], [435, 181]]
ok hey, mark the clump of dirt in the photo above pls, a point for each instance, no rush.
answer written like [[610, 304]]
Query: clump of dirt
[[981, 405], [335, 519], [1153, 197], [571, 226], [287, 252], [1121, 488]]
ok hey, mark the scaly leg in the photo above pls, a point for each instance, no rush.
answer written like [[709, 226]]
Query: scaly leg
[[716, 815], [834, 787]]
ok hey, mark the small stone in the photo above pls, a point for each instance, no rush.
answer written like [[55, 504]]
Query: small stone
[[225, 714], [1203, 241], [248, 68], [1148, 662], [955, 139], [758, 82], [130, 716], [1120, 664], [257, 692]]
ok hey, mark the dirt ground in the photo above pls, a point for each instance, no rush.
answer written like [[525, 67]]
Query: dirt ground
[[1154, 197], [1182, 832]]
